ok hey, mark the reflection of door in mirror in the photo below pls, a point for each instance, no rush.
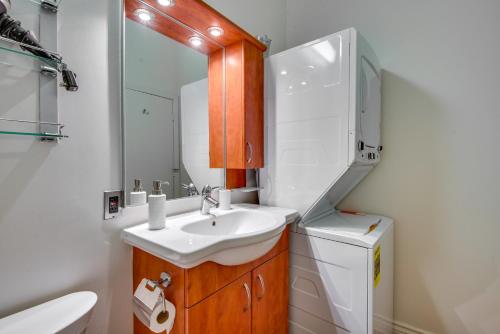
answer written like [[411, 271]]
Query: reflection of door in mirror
[[150, 123], [165, 113]]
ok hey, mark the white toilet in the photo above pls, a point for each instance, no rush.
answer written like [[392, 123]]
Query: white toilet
[[69, 314]]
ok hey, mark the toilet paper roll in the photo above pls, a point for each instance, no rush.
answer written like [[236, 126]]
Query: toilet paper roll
[[147, 295], [159, 320], [152, 309]]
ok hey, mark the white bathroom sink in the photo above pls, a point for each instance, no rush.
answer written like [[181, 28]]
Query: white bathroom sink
[[234, 223], [232, 237]]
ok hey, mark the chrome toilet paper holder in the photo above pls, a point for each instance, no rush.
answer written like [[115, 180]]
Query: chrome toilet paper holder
[[165, 280]]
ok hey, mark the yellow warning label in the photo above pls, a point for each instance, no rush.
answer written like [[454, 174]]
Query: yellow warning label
[[376, 267]]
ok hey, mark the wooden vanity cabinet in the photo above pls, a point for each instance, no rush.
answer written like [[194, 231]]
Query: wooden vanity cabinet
[[146, 265], [269, 294], [229, 310], [256, 303], [216, 299]]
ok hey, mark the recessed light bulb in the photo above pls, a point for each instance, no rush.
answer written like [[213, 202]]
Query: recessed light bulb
[[143, 14], [284, 72], [216, 31], [195, 41], [303, 83], [167, 3]]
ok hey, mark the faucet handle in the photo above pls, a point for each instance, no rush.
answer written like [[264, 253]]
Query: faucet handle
[[191, 189], [207, 190]]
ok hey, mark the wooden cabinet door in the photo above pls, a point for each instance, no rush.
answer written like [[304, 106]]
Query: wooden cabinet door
[[270, 296], [228, 311], [244, 106], [244, 110]]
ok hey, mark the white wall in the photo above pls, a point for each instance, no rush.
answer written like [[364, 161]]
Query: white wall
[[52, 236], [53, 239], [439, 175]]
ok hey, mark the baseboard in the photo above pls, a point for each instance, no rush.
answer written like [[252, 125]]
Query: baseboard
[[398, 327], [403, 328]]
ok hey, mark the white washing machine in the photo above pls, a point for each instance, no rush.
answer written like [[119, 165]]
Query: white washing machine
[[323, 112], [341, 275]]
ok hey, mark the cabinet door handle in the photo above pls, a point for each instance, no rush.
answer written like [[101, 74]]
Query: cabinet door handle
[[249, 297], [263, 286], [250, 153]]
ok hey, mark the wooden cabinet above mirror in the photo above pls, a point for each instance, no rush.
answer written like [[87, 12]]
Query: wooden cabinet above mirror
[[235, 79]]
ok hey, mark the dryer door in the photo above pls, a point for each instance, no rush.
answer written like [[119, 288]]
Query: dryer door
[[307, 122]]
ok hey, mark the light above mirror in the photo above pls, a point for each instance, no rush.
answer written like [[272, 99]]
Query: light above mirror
[[216, 31], [166, 3], [195, 41], [144, 14]]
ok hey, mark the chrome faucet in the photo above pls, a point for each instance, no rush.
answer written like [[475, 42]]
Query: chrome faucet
[[191, 189], [207, 202]]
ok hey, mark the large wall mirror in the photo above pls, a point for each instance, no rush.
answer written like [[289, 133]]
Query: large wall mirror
[[165, 103]]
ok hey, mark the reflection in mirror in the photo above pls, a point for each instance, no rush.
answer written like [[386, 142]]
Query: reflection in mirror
[[166, 131]]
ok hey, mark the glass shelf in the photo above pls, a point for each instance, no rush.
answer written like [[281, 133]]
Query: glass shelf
[[10, 130], [15, 61], [39, 2], [13, 47], [33, 134]]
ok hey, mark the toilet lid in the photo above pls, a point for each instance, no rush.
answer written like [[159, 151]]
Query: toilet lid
[[52, 316]]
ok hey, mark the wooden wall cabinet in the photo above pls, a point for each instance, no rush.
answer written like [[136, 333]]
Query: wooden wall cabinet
[[244, 111], [213, 299], [244, 106], [216, 108]]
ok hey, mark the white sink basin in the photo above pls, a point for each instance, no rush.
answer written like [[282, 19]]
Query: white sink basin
[[233, 237], [234, 223]]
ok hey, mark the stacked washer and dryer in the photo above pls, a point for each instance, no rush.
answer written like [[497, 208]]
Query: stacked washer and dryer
[[323, 109]]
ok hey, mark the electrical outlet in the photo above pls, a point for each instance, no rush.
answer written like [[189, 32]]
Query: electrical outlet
[[112, 203]]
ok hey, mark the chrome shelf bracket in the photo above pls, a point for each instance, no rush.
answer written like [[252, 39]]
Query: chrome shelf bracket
[[49, 112]]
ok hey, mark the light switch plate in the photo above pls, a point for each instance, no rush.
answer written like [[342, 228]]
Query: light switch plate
[[112, 203]]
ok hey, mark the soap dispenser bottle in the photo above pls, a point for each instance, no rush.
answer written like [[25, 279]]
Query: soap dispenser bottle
[[156, 207], [138, 195]]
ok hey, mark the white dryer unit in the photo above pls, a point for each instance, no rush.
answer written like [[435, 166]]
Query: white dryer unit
[[323, 109]]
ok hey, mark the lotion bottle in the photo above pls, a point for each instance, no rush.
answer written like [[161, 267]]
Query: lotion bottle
[[156, 207], [138, 195]]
